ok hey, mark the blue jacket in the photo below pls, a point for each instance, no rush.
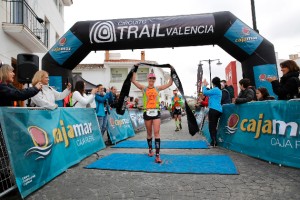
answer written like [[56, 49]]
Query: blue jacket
[[100, 100], [215, 96]]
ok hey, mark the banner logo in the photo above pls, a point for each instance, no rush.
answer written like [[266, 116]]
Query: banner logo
[[232, 122], [62, 41], [103, 32], [246, 31], [40, 141], [119, 122], [262, 77]]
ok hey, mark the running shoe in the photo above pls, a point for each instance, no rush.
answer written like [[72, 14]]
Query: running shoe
[[177, 129], [151, 153], [157, 159]]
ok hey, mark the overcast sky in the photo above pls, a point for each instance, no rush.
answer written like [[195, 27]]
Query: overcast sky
[[277, 21]]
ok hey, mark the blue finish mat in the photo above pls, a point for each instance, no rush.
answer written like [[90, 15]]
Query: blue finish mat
[[142, 144], [182, 164]]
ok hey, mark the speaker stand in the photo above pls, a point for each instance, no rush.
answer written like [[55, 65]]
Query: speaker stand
[[28, 100]]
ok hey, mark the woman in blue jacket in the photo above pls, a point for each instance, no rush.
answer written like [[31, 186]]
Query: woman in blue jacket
[[215, 107]]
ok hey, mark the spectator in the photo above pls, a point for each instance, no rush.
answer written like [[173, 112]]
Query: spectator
[[215, 107], [8, 93], [102, 99], [289, 85], [136, 103], [47, 96], [247, 93], [114, 101], [262, 94], [201, 102], [130, 103], [229, 88], [79, 98], [226, 99], [162, 105]]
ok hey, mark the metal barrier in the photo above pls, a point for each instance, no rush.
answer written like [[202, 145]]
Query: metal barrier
[[7, 180]]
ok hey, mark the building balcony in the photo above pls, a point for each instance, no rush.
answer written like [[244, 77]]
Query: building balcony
[[25, 26]]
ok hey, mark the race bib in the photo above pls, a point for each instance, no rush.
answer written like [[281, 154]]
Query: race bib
[[152, 112]]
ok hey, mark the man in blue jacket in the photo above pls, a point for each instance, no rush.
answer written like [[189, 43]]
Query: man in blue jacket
[[102, 107]]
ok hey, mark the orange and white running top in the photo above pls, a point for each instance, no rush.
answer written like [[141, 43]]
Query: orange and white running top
[[151, 98]]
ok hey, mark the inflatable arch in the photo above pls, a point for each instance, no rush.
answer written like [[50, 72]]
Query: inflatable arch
[[221, 28]]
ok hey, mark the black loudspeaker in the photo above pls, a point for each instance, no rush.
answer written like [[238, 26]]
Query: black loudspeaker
[[27, 66]]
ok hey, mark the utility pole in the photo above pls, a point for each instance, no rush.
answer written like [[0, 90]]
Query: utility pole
[[253, 16]]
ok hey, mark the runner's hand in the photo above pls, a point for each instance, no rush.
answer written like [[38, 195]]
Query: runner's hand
[[134, 68]]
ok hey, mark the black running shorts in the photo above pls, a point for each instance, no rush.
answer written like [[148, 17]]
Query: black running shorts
[[146, 117], [177, 112]]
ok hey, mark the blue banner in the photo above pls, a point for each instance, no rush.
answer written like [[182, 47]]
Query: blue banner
[[65, 47], [261, 73], [265, 130], [42, 144], [119, 126], [56, 83], [243, 36]]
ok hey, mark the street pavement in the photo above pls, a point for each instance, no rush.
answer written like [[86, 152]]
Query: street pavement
[[257, 179]]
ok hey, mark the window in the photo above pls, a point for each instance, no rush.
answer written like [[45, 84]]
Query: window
[[116, 77], [142, 74], [142, 77]]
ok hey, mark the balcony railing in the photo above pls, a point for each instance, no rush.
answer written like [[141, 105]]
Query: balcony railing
[[19, 12]]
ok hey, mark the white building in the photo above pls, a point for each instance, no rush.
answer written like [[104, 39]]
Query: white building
[[114, 71], [30, 26]]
